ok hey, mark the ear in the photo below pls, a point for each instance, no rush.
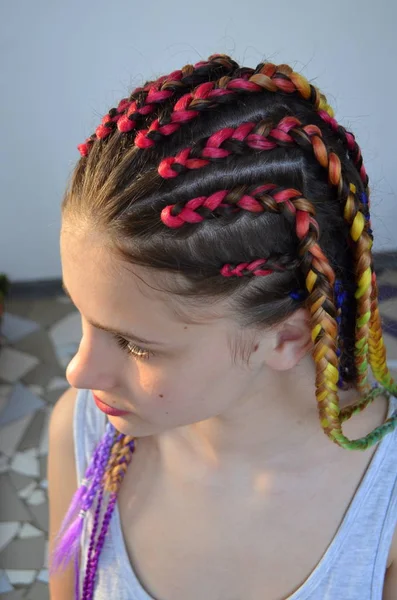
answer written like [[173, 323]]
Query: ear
[[292, 341]]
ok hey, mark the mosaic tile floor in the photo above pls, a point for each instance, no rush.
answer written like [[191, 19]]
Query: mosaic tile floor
[[40, 337]]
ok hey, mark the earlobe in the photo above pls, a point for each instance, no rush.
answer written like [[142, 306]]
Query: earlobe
[[292, 342]]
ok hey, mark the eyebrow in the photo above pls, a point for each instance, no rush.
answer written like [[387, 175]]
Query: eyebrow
[[124, 334]]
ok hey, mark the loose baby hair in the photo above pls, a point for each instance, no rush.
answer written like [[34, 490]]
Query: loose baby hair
[[235, 183]]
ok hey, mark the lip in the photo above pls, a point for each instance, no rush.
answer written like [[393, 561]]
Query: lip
[[109, 410]]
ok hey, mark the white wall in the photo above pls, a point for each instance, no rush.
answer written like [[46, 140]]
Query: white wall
[[64, 63]]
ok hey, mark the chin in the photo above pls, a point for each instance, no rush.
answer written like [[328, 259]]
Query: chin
[[134, 426]]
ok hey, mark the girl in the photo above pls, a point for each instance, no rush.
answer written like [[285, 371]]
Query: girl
[[216, 239]]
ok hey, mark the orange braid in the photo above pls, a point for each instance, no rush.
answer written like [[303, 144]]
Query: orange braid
[[363, 259], [118, 462], [377, 350]]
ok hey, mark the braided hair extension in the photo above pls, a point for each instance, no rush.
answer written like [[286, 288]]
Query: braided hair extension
[[119, 460], [340, 299], [145, 99], [280, 210]]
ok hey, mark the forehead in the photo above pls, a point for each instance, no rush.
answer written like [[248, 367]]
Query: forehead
[[94, 275]]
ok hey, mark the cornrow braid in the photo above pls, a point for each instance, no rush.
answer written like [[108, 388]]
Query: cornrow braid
[[274, 264], [256, 136], [350, 143], [144, 100], [266, 77]]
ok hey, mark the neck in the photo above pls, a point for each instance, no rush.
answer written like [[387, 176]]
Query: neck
[[278, 421]]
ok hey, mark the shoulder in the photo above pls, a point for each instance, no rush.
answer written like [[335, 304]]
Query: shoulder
[[62, 481], [61, 454], [60, 433], [390, 583], [392, 558], [61, 421]]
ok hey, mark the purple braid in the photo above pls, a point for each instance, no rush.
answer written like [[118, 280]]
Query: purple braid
[[77, 500], [95, 526], [68, 538], [91, 570], [92, 540], [106, 446]]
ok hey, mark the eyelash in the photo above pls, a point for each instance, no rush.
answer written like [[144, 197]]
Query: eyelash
[[130, 348]]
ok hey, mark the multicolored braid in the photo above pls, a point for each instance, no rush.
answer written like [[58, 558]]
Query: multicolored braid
[[257, 136], [266, 77], [324, 296]]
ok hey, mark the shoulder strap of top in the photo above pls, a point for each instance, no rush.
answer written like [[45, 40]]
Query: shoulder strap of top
[[361, 544], [88, 427]]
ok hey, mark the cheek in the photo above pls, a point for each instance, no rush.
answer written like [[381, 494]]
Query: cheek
[[152, 387], [166, 391], [193, 388]]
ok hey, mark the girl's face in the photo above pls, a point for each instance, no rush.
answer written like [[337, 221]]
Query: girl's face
[[186, 375]]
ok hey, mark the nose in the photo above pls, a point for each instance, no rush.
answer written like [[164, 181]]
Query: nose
[[94, 366]]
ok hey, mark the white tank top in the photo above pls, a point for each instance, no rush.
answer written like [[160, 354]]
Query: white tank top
[[352, 568]]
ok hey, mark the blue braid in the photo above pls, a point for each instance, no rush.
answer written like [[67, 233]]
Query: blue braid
[[364, 200], [297, 295], [340, 299]]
